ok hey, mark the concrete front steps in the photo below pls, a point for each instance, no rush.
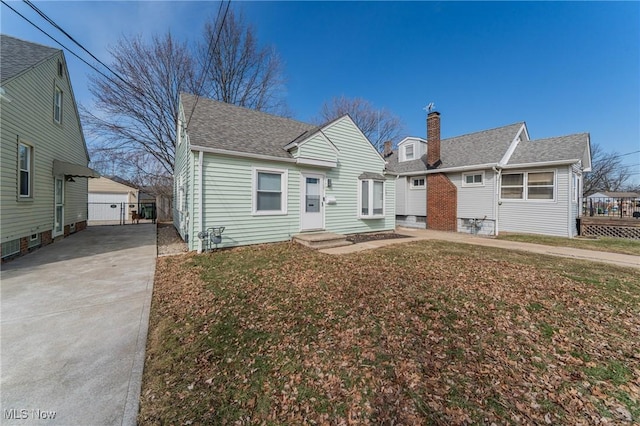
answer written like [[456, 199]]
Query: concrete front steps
[[321, 240]]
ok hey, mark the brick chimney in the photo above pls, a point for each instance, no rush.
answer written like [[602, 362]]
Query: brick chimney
[[433, 139], [387, 149], [442, 194]]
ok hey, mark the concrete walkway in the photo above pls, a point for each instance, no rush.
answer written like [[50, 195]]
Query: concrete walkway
[[73, 328], [625, 260]]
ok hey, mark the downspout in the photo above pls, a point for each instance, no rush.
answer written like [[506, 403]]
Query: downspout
[[201, 196], [569, 201], [498, 170]]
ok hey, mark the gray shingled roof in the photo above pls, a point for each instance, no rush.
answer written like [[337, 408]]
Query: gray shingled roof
[[551, 149], [405, 166], [483, 147], [488, 146], [220, 125], [17, 56]]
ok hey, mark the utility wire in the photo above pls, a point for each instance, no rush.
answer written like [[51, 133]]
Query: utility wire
[[60, 44], [623, 155], [58, 27], [210, 51]]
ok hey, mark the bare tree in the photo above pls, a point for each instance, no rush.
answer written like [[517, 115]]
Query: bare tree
[[378, 125], [136, 112], [241, 72], [608, 173]]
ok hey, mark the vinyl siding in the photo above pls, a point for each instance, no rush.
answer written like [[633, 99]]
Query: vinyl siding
[[317, 148], [401, 196], [228, 192], [227, 201], [28, 118], [357, 155], [475, 202], [107, 185], [416, 197], [539, 217]]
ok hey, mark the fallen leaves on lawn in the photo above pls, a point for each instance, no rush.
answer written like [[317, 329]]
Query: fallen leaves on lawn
[[423, 333]]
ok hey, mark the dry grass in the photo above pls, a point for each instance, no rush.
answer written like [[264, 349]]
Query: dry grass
[[418, 333], [613, 245]]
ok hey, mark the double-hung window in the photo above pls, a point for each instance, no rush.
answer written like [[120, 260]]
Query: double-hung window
[[270, 191], [371, 198], [25, 166], [528, 186], [540, 186], [408, 152], [57, 105]]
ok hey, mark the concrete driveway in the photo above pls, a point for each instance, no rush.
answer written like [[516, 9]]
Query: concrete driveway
[[73, 328]]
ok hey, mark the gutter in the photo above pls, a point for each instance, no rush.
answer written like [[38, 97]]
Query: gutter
[[461, 168], [494, 165], [201, 196], [242, 154], [496, 197], [540, 164]]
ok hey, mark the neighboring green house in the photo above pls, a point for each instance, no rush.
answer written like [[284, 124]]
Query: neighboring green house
[[266, 178], [44, 157]]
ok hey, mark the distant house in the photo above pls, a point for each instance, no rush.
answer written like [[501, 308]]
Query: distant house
[[44, 157], [266, 178], [610, 203], [492, 181], [611, 195], [111, 202]]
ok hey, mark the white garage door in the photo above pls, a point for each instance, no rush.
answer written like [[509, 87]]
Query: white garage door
[[107, 207]]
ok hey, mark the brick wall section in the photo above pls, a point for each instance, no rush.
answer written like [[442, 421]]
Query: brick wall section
[[45, 238], [433, 137], [442, 203], [24, 245]]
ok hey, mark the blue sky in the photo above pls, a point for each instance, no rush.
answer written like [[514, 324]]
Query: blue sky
[[563, 67]]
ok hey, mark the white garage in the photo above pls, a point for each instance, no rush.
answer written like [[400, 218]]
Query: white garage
[[110, 202]]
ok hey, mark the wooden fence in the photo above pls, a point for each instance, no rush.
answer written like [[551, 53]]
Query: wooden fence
[[609, 227]]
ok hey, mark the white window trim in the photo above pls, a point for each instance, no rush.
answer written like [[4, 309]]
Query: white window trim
[[575, 181], [384, 199], [284, 183], [55, 104], [412, 186], [525, 189], [29, 171], [413, 154], [470, 185]]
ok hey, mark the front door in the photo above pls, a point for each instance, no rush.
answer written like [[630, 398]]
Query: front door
[[312, 216], [58, 213]]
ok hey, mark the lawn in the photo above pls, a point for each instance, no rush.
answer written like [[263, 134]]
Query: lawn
[[418, 333], [613, 245]]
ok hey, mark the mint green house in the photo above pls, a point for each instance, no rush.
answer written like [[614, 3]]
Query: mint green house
[[43, 158], [266, 178]]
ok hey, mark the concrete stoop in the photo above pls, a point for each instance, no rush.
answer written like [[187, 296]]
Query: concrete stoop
[[321, 240]]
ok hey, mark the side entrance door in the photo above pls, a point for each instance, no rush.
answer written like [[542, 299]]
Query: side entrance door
[[312, 209], [58, 213]]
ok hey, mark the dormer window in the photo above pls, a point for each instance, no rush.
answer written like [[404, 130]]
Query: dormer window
[[408, 152]]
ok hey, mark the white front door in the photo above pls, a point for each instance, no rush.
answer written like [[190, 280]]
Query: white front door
[[58, 213], [312, 213]]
